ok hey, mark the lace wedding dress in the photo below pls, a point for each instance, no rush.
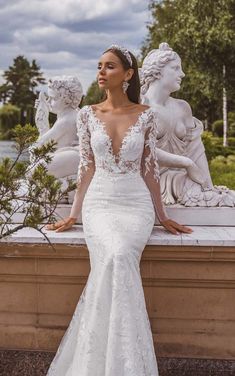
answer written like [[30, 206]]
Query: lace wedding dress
[[110, 333]]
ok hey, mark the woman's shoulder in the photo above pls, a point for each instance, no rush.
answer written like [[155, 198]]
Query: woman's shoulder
[[83, 116], [143, 107], [95, 106], [150, 112], [84, 110], [139, 108]]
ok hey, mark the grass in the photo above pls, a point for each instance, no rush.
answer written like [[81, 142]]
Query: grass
[[222, 171]]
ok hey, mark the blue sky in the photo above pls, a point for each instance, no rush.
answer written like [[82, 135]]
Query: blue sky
[[68, 36]]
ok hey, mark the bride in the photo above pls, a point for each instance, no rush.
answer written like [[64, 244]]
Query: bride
[[118, 195]]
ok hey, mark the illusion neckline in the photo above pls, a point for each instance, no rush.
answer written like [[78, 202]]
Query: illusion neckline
[[127, 133]]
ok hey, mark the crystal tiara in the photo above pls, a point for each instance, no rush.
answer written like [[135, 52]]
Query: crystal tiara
[[124, 51]]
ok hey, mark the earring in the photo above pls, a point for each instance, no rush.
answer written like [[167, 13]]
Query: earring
[[125, 86]]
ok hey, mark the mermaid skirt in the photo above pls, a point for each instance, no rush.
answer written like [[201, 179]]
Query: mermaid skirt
[[110, 333]]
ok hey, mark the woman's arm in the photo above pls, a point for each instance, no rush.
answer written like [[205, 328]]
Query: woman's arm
[[86, 167], [86, 171], [150, 173]]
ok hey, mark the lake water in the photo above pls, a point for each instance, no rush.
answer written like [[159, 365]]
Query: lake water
[[7, 150]]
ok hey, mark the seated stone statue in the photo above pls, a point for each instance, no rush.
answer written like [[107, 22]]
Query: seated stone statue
[[64, 96], [178, 132]]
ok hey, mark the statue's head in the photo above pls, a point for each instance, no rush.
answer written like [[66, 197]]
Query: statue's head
[[64, 92], [162, 64]]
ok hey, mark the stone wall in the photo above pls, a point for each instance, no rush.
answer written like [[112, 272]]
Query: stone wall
[[189, 290]]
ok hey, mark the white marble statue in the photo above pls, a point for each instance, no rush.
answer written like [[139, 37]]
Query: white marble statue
[[178, 132], [64, 96]]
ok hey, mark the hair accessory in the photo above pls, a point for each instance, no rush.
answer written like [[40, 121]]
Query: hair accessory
[[125, 86], [123, 50]]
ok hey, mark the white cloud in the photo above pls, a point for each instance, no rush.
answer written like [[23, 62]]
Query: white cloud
[[68, 37]]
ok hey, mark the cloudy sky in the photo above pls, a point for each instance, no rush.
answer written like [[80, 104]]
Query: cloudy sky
[[68, 36]]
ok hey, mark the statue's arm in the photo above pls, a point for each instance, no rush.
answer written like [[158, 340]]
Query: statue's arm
[[187, 114], [201, 161], [202, 164], [55, 133], [166, 159], [42, 114]]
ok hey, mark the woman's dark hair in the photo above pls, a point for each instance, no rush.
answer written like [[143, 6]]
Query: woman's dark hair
[[133, 91]]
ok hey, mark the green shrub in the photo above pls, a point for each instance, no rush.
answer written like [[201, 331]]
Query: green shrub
[[42, 192], [231, 131], [231, 122], [218, 142], [214, 146], [217, 128], [9, 118], [222, 171], [231, 142], [211, 150], [231, 117]]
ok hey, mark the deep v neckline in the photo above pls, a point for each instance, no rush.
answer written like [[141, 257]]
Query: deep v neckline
[[127, 133]]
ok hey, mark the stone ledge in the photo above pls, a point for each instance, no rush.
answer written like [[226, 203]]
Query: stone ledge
[[191, 216], [213, 236], [36, 363]]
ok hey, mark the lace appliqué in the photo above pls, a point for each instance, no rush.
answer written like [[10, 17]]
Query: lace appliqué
[[94, 139], [150, 145], [85, 150]]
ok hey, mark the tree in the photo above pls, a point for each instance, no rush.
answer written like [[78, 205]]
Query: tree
[[21, 81], [94, 94], [9, 117], [202, 32], [42, 192]]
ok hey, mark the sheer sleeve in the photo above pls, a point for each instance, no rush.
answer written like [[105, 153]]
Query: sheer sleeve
[[150, 170], [86, 166]]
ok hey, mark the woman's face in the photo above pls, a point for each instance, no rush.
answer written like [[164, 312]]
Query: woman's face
[[111, 73], [55, 102], [172, 74]]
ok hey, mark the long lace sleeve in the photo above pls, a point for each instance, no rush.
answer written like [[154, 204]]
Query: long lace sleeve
[[86, 166], [150, 170]]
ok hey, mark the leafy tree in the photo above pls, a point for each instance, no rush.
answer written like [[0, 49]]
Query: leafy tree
[[41, 192], [94, 94], [202, 32], [21, 81], [9, 117]]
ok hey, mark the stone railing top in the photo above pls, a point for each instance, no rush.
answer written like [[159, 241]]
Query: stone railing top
[[201, 236]]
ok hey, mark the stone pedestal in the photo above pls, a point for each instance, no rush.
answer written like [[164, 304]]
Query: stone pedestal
[[189, 285]]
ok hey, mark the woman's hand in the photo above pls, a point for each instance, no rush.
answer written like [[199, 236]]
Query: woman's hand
[[62, 225], [175, 228]]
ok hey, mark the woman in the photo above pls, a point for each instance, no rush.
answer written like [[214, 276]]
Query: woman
[[110, 334]]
